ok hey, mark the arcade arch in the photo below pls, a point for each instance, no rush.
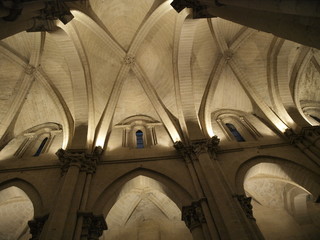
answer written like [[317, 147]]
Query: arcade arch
[[16, 209], [144, 200], [144, 211], [284, 197]]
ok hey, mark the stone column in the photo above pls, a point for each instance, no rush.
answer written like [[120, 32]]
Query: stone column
[[211, 229], [90, 169], [65, 209], [194, 219], [226, 214]]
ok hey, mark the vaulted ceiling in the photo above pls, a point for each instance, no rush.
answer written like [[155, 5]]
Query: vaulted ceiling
[[121, 58]]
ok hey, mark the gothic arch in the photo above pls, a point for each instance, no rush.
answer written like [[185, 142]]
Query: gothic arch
[[282, 169], [30, 190], [108, 197]]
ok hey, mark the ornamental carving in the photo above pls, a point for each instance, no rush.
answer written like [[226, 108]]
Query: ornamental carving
[[30, 69], [198, 147], [193, 215], [36, 227], [199, 9], [93, 226], [292, 136], [86, 162], [54, 10], [245, 203], [129, 60]]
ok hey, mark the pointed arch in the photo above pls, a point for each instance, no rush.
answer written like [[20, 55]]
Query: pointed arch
[[281, 168], [31, 192], [179, 195]]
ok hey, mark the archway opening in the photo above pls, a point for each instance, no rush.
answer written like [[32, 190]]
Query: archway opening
[[282, 208], [144, 211], [16, 209]]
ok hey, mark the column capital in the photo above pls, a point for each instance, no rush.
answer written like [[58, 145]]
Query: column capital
[[292, 136], [197, 147], [53, 10], [93, 225], [311, 131], [198, 7], [245, 203], [78, 157], [193, 215]]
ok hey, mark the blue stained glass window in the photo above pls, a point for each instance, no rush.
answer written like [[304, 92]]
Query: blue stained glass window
[[43, 143], [139, 135], [235, 132]]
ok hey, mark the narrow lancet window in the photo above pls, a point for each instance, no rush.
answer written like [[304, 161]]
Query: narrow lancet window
[[235, 132], [139, 135], [43, 143]]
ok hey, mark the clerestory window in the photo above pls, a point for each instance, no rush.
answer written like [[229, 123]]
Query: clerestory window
[[139, 136], [235, 132], [43, 143]]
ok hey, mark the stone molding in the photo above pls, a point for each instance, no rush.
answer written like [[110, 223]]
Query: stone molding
[[93, 225], [193, 215], [245, 203], [36, 226], [86, 162]]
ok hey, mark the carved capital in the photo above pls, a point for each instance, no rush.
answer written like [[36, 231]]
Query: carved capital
[[36, 227], [93, 226], [186, 151], [292, 136], [193, 215], [199, 9], [86, 162], [313, 131], [213, 144], [53, 10], [246, 206]]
